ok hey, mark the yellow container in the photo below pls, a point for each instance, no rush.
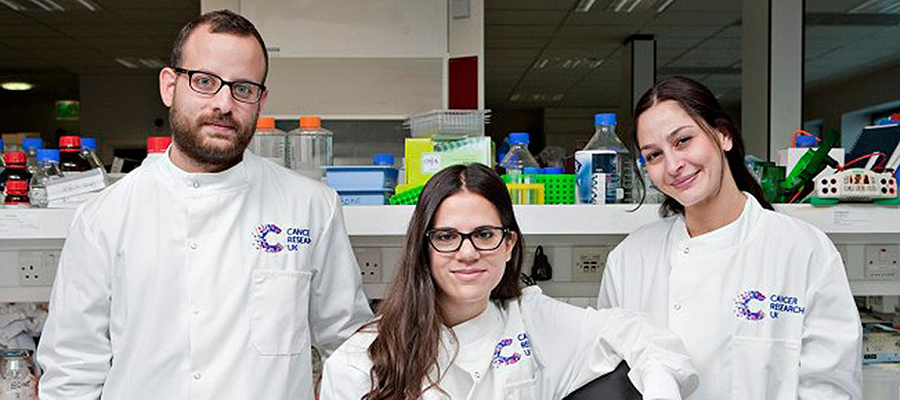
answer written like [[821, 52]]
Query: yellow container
[[526, 193]]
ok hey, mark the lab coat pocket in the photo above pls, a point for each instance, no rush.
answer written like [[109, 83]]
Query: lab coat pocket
[[522, 390], [278, 311], [764, 368]]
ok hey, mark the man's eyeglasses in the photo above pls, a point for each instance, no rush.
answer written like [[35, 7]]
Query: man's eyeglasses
[[208, 83], [483, 238]]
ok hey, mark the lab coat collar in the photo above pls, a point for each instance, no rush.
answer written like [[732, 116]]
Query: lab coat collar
[[200, 183], [727, 236], [476, 333]]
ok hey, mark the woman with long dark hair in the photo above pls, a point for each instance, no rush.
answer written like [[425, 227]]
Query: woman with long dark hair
[[456, 324], [760, 299]]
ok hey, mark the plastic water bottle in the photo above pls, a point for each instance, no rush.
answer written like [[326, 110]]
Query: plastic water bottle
[[269, 142], [516, 161], [156, 148], [89, 152], [30, 146], [603, 168], [48, 169], [310, 148]]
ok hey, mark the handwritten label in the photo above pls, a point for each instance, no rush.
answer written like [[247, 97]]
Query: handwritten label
[[431, 163], [76, 184]]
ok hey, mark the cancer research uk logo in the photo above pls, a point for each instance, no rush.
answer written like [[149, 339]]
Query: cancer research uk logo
[[269, 238], [752, 305]]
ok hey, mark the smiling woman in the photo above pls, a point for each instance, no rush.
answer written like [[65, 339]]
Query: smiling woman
[[456, 322], [761, 300]]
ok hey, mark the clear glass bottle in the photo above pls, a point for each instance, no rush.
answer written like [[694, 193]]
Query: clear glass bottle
[[89, 152], [48, 169], [30, 147], [18, 375], [269, 142], [310, 147], [156, 148], [603, 166], [518, 162]]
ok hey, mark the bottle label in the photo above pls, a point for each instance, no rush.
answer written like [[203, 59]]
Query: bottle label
[[76, 184], [431, 163], [18, 388], [590, 163]]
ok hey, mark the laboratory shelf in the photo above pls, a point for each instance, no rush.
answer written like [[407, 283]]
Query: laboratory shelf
[[616, 219], [27, 229]]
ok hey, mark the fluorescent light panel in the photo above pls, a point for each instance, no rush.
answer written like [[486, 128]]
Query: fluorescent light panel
[[584, 5], [13, 5], [16, 86]]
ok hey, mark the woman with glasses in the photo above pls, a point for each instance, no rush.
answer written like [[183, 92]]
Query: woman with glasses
[[456, 323]]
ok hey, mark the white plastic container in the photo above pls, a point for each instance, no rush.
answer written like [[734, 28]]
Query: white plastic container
[[310, 148], [269, 142]]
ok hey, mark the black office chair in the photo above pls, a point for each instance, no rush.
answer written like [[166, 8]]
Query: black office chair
[[612, 386]]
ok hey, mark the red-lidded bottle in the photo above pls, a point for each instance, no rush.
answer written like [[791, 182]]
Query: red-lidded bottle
[[70, 159], [15, 168], [17, 194]]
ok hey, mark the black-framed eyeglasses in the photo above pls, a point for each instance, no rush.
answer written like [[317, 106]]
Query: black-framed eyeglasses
[[483, 238], [208, 83]]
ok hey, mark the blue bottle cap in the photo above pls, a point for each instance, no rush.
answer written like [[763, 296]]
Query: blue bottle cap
[[48, 155], [383, 159], [518, 138], [32, 144], [2, 146], [531, 170], [806, 141], [553, 170], [89, 143], [605, 119]]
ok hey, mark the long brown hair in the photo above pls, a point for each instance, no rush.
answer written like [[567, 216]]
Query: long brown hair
[[410, 321], [703, 107]]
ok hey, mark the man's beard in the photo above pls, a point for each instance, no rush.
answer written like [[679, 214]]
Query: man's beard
[[188, 138]]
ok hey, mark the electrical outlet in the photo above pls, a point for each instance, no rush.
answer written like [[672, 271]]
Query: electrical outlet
[[369, 260], [37, 268], [588, 263], [882, 261]]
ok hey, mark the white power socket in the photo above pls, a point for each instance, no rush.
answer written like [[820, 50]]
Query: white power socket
[[882, 261], [38, 268], [588, 263], [369, 260]]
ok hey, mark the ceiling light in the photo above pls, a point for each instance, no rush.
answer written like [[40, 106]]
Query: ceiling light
[[151, 63], [127, 63], [90, 5], [16, 86], [665, 4], [875, 7], [48, 5], [13, 5], [633, 5], [584, 5], [619, 5]]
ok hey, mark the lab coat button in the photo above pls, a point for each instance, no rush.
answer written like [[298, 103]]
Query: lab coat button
[[477, 375], [197, 376], [196, 311], [193, 246], [677, 307], [687, 250], [196, 184]]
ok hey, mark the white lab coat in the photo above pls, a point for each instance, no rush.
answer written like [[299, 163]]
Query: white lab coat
[[177, 286], [535, 348], [763, 304]]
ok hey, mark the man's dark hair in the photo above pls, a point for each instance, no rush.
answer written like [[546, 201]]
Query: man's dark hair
[[221, 21]]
